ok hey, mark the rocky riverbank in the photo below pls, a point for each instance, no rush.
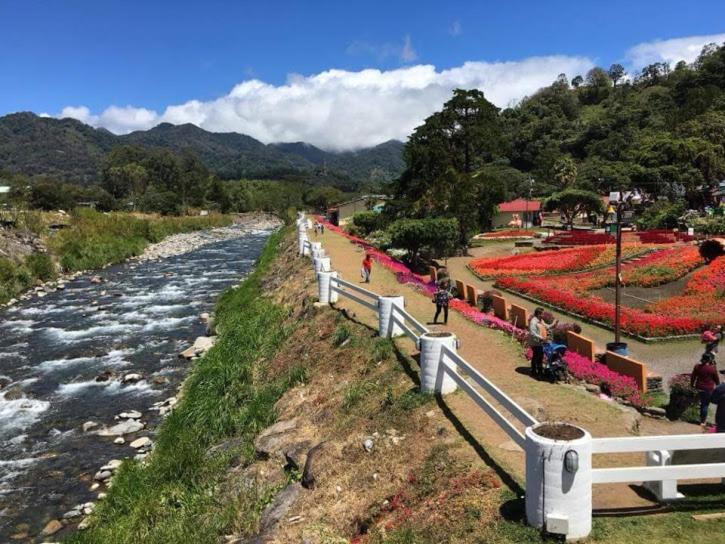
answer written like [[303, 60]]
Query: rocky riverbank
[[178, 244]]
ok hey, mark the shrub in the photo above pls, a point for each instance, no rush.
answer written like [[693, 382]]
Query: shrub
[[40, 266], [682, 396], [663, 214], [486, 301], [711, 250], [367, 222]]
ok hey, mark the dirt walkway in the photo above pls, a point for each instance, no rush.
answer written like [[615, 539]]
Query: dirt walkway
[[666, 358], [500, 359]]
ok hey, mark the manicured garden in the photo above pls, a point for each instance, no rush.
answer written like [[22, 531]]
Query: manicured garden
[[699, 304], [551, 262]]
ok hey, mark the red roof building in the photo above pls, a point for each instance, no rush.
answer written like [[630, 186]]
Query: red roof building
[[520, 205]]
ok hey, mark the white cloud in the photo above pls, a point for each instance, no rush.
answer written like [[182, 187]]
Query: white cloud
[[339, 109], [671, 51], [455, 29]]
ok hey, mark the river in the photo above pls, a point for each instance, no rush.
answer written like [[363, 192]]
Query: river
[[52, 349]]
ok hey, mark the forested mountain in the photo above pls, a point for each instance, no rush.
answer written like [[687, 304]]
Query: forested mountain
[[69, 150]]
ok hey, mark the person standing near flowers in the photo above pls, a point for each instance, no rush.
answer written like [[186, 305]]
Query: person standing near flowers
[[441, 298], [538, 332], [704, 378], [367, 268]]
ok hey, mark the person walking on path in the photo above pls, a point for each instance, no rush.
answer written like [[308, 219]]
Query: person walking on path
[[538, 333], [718, 399], [441, 298], [711, 338], [704, 378], [367, 268]]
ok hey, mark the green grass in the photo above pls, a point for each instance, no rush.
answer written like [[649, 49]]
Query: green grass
[[96, 239], [179, 495], [17, 277]]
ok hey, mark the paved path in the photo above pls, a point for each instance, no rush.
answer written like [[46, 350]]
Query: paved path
[[500, 359], [666, 358]]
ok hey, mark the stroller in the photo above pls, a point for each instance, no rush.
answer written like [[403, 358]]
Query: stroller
[[555, 369]]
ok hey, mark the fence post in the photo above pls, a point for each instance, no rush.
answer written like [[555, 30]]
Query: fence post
[[433, 379], [321, 264], [302, 237], [325, 294], [664, 490], [386, 327], [559, 482]]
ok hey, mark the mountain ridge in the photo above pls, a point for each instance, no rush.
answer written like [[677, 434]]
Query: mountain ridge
[[71, 150]]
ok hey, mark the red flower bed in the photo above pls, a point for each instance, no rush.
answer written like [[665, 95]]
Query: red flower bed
[[700, 304], [536, 263]]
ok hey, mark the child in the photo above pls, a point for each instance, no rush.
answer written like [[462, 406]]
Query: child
[[367, 268]]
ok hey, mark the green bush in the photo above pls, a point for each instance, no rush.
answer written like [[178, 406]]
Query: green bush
[[367, 222], [41, 266], [663, 214], [438, 235]]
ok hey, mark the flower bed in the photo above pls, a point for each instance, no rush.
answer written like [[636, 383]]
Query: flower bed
[[582, 369], [550, 262], [701, 303]]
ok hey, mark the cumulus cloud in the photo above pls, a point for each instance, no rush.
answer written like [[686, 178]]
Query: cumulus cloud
[[671, 51], [339, 109]]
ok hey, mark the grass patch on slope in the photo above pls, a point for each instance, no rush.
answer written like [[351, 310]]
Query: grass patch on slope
[[176, 497]]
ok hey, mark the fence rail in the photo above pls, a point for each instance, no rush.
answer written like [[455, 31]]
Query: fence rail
[[657, 473], [675, 442], [341, 287]]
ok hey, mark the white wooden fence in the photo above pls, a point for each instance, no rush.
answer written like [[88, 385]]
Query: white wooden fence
[[559, 474]]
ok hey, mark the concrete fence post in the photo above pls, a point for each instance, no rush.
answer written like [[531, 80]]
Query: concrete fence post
[[664, 490], [302, 238], [386, 327], [325, 294], [559, 482], [433, 379], [321, 264]]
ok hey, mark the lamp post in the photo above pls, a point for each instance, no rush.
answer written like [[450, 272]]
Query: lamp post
[[526, 208]]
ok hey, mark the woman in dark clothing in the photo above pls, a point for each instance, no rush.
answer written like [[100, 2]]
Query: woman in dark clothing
[[704, 378], [441, 298]]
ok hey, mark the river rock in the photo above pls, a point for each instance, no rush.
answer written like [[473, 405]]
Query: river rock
[[119, 440], [72, 514], [96, 279], [84, 524], [142, 442], [274, 438], [112, 465], [52, 527], [201, 345], [88, 425], [125, 427], [5, 381], [204, 317], [131, 378], [13, 393], [131, 414], [105, 376], [102, 475]]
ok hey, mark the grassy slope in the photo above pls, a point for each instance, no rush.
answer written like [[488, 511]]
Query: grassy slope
[[172, 499]]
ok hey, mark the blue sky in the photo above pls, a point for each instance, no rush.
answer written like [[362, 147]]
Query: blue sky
[[123, 64]]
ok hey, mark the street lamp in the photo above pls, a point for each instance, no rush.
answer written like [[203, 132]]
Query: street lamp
[[526, 208], [614, 214]]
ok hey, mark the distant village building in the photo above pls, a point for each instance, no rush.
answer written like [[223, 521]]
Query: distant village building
[[517, 213], [342, 213]]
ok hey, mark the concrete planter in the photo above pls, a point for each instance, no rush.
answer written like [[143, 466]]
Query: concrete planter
[[302, 239], [325, 294], [386, 327], [559, 480], [321, 264], [432, 377]]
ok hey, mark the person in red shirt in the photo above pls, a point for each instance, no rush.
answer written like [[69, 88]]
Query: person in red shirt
[[705, 378], [367, 267]]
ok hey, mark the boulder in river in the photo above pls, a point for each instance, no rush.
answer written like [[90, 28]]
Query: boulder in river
[[131, 378], [88, 425], [105, 376], [125, 427], [52, 527], [142, 442], [131, 414], [96, 279]]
